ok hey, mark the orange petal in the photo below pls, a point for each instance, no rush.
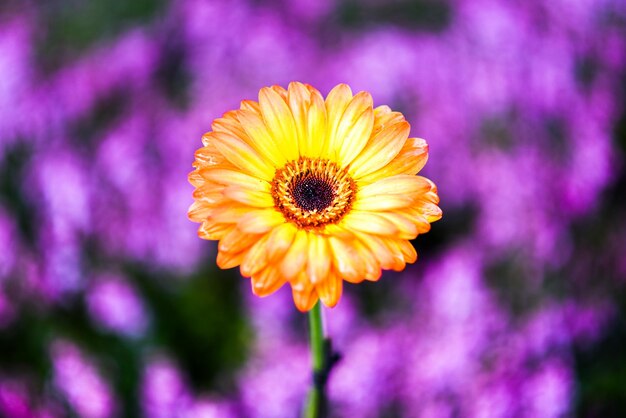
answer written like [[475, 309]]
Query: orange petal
[[236, 241], [385, 256], [384, 117], [199, 212], [209, 156], [243, 156], [213, 231], [304, 294], [280, 241], [408, 251], [230, 124], [347, 260], [260, 221], [329, 290], [226, 260], [230, 213], [382, 148], [255, 258], [410, 160], [254, 198], [267, 281]]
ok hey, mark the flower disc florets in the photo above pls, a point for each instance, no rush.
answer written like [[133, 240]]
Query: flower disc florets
[[313, 193]]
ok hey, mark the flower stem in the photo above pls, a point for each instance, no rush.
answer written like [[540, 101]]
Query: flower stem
[[320, 346]]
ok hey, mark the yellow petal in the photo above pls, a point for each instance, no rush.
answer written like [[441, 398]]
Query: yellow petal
[[243, 156], [235, 178], [410, 160], [334, 230], [257, 131], [382, 202], [381, 149], [336, 102], [370, 222], [318, 263], [407, 228], [315, 145], [295, 259], [401, 184], [279, 122], [354, 128], [281, 91], [429, 210], [299, 99], [280, 241]]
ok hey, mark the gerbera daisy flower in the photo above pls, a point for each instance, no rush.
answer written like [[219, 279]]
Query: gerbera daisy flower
[[311, 192]]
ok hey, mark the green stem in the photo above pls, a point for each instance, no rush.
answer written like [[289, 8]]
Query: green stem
[[316, 397]]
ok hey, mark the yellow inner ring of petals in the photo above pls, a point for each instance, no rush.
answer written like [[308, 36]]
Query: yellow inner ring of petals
[[315, 170]]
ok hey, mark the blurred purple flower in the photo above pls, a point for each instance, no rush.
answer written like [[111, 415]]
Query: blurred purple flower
[[7, 310], [80, 382], [17, 401], [275, 381], [115, 305], [16, 76], [548, 392], [365, 380], [14, 400], [208, 408], [164, 393], [9, 245]]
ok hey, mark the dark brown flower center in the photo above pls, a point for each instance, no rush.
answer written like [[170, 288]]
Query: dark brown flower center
[[312, 192]]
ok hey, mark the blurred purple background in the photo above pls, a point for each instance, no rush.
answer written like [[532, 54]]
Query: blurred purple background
[[111, 306]]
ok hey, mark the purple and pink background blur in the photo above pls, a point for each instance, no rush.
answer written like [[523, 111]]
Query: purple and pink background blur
[[110, 306]]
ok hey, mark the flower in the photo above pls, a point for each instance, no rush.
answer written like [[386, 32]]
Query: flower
[[312, 192]]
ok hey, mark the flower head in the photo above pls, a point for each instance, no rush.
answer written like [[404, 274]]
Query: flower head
[[311, 192]]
